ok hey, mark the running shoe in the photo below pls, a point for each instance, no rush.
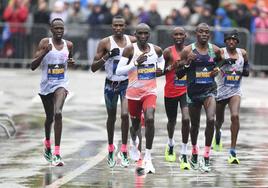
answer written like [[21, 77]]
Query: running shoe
[[124, 159], [111, 161], [233, 159], [148, 167], [205, 164], [184, 164], [57, 160], [216, 143], [47, 154], [134, 152], [170, 155], [194, 162]]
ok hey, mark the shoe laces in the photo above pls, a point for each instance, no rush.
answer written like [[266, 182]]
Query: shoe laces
[[170, 151], [194, 158], [184, 158], [124, 154], [206, 160]]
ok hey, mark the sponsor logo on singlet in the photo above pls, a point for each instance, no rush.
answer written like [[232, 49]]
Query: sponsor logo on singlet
[[55, 71], [146, 72]]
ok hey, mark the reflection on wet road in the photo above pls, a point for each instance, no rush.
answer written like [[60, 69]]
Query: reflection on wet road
[[84, 143]]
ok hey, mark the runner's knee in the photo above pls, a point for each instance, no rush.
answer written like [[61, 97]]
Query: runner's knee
[[235, 118], [58, 116]]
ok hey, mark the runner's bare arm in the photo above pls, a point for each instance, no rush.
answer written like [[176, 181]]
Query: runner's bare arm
[[70, 60], [43, 48], [101, 55], [167, 58], [160, 61]]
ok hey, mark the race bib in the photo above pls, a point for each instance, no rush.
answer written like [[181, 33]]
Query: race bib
[[232, 79], [180, 82], [115, 64], [55, 72], [202, 75], [146, 72]]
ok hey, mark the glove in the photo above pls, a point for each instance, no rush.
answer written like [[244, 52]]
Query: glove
[[245, 70], [114, 52], [229, 61]]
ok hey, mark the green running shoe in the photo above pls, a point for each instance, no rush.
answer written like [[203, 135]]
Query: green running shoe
[[57, 160], [233, 160], [170, 155], [205, 165], [194, 162], [184, 164], [217, 146], [124, 159], [111, 158], [47, 154]]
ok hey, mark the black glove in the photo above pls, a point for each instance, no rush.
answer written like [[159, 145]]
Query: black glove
[[229, 61], [181, 72], [245, 70], [114, 52]]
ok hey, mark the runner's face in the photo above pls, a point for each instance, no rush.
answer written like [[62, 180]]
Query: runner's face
[[203, 35], [178, 36], [142, 35], [57, 29], [118, 26], [231, 43]]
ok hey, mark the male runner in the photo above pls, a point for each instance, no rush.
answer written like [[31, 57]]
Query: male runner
[[175, 93], [53, 54], [229, 90], [198, 60], [142, 61], [108, 54]]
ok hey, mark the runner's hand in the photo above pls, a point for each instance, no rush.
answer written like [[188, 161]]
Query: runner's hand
[[114, 52], [70, 61], [191, 57], [142, 58], [215, 72]]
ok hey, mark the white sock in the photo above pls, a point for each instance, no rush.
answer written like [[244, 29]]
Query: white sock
[[171, 142], [184, 149], [147, 155]]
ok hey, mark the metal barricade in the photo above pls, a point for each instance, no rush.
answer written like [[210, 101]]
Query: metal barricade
[[6, 123]]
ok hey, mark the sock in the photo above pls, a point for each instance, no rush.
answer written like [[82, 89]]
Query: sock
[[147, 154], [47, 143], [233, 152], [111, 147], [57, 150], [123, 148], [195, 149], [207, 151], [171, 142], [184, 149], [218, 138]]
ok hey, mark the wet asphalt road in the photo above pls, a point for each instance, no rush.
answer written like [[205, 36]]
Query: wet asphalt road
[[84, 140]]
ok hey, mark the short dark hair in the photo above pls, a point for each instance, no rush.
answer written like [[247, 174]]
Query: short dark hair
[[118, 17], [56, 19]]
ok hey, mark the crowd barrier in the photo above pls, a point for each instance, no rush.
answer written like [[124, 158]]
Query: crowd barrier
[[17, 49]]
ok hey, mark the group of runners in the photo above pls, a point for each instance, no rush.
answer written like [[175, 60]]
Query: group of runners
[[132, 65]]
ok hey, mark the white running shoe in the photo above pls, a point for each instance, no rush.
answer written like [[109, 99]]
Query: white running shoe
[[134, 152], [149, 167]]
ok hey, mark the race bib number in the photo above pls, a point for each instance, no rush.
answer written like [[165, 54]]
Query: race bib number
[[180, 82], [115, 64], [55, 72], [232, 79], [202, 75], [146, 72]]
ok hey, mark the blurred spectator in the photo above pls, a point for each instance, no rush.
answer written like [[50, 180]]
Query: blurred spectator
[[77, 14], [95, 20], [261, 37], [110, 11], [243, 16], [198, 9], [168, 20], [154, 16], [59, 10], [261, 25], [17, 13], [206, 16], [143, 16], [214, 5], [127, 14], [41, 20], [254, 14], [221, 21], [183, 16]]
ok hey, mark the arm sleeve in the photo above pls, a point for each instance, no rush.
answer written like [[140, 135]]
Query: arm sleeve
[[161, 63], [123, 67]]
